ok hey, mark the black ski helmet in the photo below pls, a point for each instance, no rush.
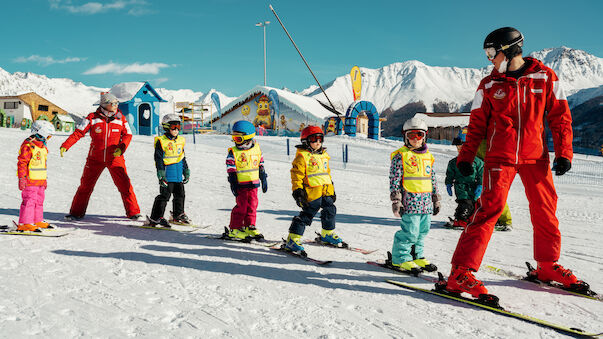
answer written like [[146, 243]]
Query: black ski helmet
[[506, 39]]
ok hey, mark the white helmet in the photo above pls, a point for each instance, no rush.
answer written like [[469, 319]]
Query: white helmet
[[43, 128], [415, 123], [169, 118]]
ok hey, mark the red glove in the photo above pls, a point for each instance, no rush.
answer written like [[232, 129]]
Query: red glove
[[22, 183]]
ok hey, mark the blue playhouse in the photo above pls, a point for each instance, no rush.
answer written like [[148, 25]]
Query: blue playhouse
[[139, 102]]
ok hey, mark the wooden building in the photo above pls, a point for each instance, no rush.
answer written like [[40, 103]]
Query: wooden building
[[30, 106]]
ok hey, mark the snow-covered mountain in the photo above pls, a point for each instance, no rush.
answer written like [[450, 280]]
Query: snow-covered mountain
[[393, 86], [78, 99]]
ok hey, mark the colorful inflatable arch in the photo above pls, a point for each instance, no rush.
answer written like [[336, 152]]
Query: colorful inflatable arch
[[367, 108]]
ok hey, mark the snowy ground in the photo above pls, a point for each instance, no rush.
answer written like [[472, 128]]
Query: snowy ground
[[112, 281]]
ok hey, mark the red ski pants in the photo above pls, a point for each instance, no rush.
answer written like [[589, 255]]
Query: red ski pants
[[244, 212], [93, 170], [538, 183]]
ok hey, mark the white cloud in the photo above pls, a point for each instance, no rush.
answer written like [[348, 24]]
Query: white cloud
[[47, 60], [160, 81], [134, 7], [148, 68]]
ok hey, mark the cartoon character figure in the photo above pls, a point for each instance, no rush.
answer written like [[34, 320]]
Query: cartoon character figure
[[245, 110], [242, 159], [263, 111], [331, 126], [412, 165], [314, 165], [283, 122]]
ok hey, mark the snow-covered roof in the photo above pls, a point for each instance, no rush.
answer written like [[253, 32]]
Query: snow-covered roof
[[125, 91], [65, 118], [307, 106], [444, 119]]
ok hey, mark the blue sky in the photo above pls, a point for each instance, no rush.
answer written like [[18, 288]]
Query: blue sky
[[214, 44]]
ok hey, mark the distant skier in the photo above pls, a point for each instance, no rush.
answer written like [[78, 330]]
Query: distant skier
[[414, 195], [245, 168], [312, 190], [467, 189], [31, 171], [509, 111], [110, 136], [172, 172]]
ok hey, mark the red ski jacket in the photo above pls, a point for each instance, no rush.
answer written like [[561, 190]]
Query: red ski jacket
[[509, 113], [25, 154], [107, 134]]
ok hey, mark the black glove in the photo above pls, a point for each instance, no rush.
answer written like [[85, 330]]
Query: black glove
[[234, 183], [187, 176], [334, 196], [466, 168], [301, 197], [263, 180], [436, 203], [561, 166]]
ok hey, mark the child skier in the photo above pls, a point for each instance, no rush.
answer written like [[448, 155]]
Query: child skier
[[172, 172], [245, 168], [31, 171], [414, 196], [312, 189], [466, 188]]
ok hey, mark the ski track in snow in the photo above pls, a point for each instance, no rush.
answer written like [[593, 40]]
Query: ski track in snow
[[112, 281]]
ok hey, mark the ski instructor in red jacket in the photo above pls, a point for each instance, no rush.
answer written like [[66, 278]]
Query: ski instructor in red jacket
[[509, 111], [111, 135]]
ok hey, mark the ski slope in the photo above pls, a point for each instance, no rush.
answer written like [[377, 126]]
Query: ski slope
[[107, 280]]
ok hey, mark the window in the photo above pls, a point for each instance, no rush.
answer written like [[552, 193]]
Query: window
[[43, 108], [11, 105]]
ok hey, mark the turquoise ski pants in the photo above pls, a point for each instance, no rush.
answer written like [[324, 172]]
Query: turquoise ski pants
[[414, 229]]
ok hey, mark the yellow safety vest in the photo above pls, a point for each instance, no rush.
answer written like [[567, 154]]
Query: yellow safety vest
[[417, 170], [247, 162], [317, 168], [173, 150], [37, 163]]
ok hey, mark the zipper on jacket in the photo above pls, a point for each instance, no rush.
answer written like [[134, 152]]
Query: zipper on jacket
[[492, 137], [106, 138], [519, 121]]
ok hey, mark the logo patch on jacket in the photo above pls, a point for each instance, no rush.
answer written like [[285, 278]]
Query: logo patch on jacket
[[499, 94], [98, 130], [412, 165]]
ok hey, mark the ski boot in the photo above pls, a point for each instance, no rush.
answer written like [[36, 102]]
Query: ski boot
[[462, 280], [135, 217], [552, 271], [253, 232], [161, 222], [330, 238], [409, 267], [503, 227], [72, 217], [28, 227], [181, 219], [425, 265], [237, 235], [294, 244], [43, 224]]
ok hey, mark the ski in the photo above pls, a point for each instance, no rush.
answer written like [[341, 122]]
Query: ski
[[260, 242], [302, 255], [491, 305], [174, 229], [406, 273], [41, 233], [344, 245], [581, 290]]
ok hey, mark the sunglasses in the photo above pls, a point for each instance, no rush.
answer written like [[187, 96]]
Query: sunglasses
[[415, 135], [316, 137]]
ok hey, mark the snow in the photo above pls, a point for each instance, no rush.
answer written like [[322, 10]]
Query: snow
[[108, 280], [440, 121]]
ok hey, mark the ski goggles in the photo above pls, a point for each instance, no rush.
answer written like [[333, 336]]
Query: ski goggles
[[490, 53], [238, 138], [316, 137], [175, 126], [415, 135]]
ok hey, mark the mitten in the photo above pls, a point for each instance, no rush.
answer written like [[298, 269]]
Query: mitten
[[62, 150], [117, 152], [396, 198], [234, 183], [466, 168], [263, 180], [436, 203], [301, 197], [22, 183], [561, 165], [449, 189], [162, 178], [187, 176], [478, 191]]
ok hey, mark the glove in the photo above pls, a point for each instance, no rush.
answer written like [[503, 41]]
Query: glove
[[396, 198], [478, 191], [334, 196], [465, 168], [162, 178], [187, 176], [436, 203], [62, 150], [22, 183], [449, 189], [561, 166], [117, 152], [301, 197], [234, 183], [263, 180]]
